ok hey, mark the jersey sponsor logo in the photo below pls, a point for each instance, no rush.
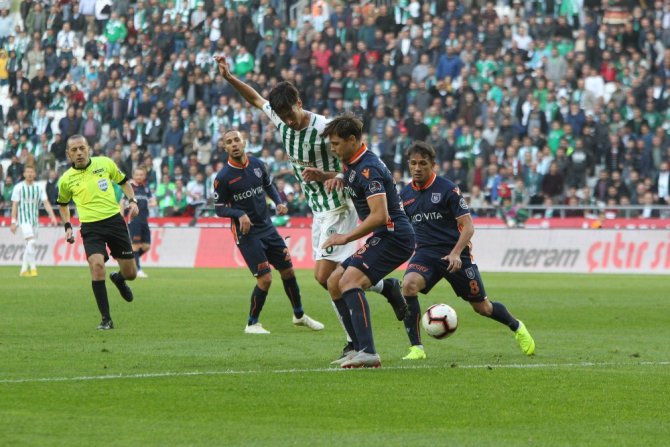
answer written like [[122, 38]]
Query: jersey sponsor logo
[[249, 193], [417, 268], [350, 192], [375, 240], [366, 173], [99, 171], [103, 184], [258, 172], [375, 186], [435, 197], [463, 204], [421, 217], [470, 273], [296, 161], [230, 182], [352, 175]]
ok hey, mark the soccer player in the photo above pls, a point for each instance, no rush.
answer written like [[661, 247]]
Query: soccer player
[[370, 184], [239, 193], [26, 198], [88, 183], [443, 226], [313, 163], [140, 234]]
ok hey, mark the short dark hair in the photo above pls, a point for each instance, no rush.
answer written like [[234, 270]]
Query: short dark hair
[[283, 97], [75, 137], [344, 126], [422, 148]]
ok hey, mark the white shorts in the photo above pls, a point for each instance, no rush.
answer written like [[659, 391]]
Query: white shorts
[[326, 223], [28, 231]]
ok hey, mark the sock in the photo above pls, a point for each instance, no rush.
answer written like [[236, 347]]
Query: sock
[[258, 297], [138, 254], [293, 293], [360, 318], [339, 317], [100, 293], [30, 253], [345, 318], [412, 320], [501, 315], [24, 265], [379, 287]]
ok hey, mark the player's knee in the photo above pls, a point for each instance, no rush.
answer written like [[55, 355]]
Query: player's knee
[[265, 281], [322, 278], [332, 283], [410, 288], [482, 308], [287, 273]]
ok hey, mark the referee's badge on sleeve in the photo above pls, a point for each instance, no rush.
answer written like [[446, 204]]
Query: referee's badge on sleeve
[[103, 184]]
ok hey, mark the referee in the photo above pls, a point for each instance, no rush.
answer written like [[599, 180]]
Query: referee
[[89, 183]]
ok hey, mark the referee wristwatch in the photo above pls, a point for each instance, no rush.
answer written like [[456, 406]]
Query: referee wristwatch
[[133, 200]]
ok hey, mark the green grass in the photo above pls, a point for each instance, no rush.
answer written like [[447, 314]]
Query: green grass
[[178, 370]]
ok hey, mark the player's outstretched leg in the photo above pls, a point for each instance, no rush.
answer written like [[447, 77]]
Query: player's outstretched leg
[[390, 289], [293, 293], [498, 312]]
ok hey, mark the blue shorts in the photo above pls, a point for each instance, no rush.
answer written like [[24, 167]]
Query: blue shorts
[[381, 255], [139, 232], [259, 252], [467, 282]]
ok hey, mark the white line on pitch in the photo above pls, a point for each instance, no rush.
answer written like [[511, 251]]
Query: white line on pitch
[[323, 370]]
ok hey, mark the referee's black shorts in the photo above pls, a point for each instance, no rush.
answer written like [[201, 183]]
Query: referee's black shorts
[[111, 232]]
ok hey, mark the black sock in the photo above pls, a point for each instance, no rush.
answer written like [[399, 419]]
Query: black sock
[[258, 297], [293, 293], [360, 318], [501, 315], [100, 293], [138, 254], [344, 312], [413, 319]]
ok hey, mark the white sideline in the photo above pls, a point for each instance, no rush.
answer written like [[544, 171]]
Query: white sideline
[[326, 370]]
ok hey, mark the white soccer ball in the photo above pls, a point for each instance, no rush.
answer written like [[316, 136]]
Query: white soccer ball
[[439, 321]]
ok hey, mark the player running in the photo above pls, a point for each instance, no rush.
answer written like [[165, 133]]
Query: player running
[[443, 226], [239, 191], [313, 163], [370, 184], [26, 198], [140, 233]]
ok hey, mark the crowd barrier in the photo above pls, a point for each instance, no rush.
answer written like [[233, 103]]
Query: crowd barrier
[[624, 250]]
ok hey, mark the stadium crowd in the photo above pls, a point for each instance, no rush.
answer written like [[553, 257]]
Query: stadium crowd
[[526, 102]]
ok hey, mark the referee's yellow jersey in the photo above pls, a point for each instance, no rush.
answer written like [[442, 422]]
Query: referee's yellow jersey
[[91, 189]]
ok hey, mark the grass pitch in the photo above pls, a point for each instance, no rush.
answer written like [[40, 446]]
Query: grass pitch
[[178, 370]]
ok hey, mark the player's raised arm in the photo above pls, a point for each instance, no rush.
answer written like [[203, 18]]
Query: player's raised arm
[[248, 93]]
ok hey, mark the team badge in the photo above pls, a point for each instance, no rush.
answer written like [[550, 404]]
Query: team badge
[[258, 172], [330, 231], [375, 186], [374, 241], [103, 185], [352, 175], [435, 197], [463, 203], [470, 273]]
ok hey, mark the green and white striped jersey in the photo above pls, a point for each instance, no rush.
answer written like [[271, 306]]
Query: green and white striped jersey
[[306, 148], [28, 198]]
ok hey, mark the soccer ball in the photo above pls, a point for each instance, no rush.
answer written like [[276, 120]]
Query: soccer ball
[[439, 321]]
